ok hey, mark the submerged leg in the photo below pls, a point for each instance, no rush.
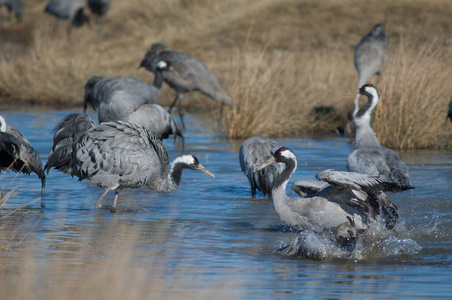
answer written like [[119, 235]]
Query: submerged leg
[[43, 200], [99, 201]]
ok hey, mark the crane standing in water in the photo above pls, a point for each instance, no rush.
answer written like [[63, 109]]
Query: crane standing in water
[[116, 155], [369, 156]]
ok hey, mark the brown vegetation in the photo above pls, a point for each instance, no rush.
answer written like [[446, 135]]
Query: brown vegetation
[[279, 60]]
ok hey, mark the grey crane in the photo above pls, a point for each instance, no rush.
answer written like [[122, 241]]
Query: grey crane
[[349, 195], [371, 53], [318, 246], [116, 155], [99, 8], [254, 152], [14, 6], [97, 88], [129, 107], [67, 9], [369, 156], [18, 155], [188, 74]]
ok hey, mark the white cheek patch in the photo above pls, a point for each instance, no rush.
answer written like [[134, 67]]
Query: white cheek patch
[[288, 154], [161, 64], [372, 91], [187, 159]]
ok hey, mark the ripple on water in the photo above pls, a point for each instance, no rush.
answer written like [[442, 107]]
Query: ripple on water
[[212, 230]]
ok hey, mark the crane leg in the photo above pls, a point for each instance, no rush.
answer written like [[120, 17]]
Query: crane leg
[[181, 115], [115, 200], [98, 203], [174, 102]]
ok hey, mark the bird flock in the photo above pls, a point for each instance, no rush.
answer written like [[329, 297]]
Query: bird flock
[[125, 149]]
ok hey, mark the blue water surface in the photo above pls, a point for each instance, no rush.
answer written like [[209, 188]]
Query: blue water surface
[[210, 232]]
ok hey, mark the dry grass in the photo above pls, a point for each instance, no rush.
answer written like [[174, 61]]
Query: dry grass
[[278, 59], [414, 97]]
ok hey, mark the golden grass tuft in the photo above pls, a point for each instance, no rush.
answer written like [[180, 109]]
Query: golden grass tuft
[[414, 96], [273, 97], [287, 63], [260, 105]]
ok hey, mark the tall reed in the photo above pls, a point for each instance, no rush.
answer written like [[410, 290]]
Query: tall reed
[[414, 96]]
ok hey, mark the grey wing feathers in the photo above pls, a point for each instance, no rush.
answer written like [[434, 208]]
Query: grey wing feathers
[[118, 105], [130, 107], [254, 152], [117, 154], [399, 171], [379, 161], [97, 89], [187, 73], [307, 187], [193, 75], [157, 120], [18, 154], [351, 179], [67, 133]]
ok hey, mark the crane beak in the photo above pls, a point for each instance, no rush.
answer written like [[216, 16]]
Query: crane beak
[[272, 160], [202, 168], [355, 92]]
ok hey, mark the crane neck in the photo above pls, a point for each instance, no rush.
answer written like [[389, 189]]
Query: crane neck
[[158, 79], [365, 111], [175, 174], [168, 181], [279, 196], [364, 135], [283, 178]]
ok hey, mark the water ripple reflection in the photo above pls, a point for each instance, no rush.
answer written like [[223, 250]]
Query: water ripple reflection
[[211, 234]]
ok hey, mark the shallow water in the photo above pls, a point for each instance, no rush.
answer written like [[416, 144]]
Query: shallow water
[[211, 233]]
